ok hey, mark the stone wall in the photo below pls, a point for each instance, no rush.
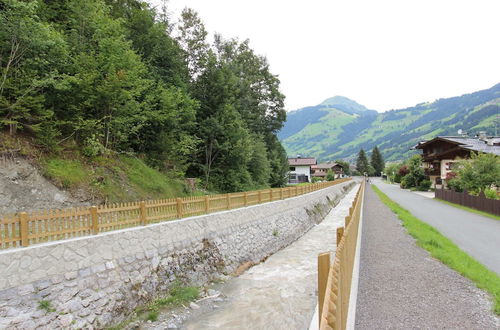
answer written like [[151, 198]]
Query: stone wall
[[94, 281]]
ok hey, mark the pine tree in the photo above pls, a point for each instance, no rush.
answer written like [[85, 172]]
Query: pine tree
[[377, 161], [362, 162]]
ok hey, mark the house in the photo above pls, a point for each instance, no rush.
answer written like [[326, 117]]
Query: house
[[320, 170], [442, 152], [300, 169]]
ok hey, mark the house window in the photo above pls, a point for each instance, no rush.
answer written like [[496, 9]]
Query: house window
[[292, 168]]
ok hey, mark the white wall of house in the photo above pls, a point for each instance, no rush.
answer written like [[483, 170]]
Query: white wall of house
[[446, 168], [306, 170]]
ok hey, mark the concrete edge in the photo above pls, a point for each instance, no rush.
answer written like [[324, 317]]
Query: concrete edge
[[353, 297]]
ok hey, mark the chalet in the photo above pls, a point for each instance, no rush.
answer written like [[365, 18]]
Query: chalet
[[320, 170], [442, 152], [300, 169]]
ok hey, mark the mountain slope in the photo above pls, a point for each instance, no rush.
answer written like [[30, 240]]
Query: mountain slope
[[339, 127]]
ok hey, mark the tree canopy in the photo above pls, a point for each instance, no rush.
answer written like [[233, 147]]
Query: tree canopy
[[119, 76], [362, 165], [377, 161]]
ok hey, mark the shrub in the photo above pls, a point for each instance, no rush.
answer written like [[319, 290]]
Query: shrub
[[491, 193], [424, 185]]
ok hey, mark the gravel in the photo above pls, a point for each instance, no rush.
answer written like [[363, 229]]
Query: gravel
[[402, 287]]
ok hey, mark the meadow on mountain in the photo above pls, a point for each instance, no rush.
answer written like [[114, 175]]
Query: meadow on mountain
[[339, 127]]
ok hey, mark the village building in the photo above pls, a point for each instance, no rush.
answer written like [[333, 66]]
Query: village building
[[320, 171], [300, 169], [440, 154]]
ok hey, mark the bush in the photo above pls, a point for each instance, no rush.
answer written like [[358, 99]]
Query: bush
[[424, 185], [491, 193], [404, 183], [93, 147]]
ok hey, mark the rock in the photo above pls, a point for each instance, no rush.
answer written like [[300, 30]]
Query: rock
[[212, 292], [172, 325], [194, 305]]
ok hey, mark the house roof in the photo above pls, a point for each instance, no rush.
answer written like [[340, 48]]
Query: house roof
[[467, 143], [301, 161], [326, 166]]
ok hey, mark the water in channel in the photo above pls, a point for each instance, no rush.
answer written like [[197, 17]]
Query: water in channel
[[280, 293]]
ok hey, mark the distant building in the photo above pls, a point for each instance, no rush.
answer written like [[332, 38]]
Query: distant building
[[320, 170], [442, 152], [300, 169]]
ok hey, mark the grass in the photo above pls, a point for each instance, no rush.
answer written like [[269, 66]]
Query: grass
[[112, 179], [46, 306], [458, 206], [178, 295], [445, 251], [68, 173]]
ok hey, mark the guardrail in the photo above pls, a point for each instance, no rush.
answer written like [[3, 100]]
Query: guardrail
[[334, 282], [24, 228]]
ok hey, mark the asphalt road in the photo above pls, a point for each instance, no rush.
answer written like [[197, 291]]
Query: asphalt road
[[402, 287], [477, 235]]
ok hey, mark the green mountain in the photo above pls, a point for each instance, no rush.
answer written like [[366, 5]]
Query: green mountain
[[339, 127]]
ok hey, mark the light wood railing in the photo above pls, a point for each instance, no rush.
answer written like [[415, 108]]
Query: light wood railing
[[24, 229], [334, 282]]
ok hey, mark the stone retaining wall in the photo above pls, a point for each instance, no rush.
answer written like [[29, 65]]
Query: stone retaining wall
[[91, 282]]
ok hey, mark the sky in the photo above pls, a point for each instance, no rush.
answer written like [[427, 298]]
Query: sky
[[384, 54]]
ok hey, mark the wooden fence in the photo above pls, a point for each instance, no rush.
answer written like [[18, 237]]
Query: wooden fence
[[23, 229], [334, 282], [480, 202]]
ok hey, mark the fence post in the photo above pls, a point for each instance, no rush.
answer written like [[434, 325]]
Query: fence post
[[281, 193], [323, 269], [95, 220], [296, 191], [340, 233], [270, 194], [144, 220], [23, 223], [207, 204], [260, 196], [228, 199], [179, 208], [245, 198]]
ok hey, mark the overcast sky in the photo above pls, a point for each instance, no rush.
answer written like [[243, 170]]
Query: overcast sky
[[384, 54]]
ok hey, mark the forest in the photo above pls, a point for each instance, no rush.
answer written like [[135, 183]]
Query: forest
[[119, 77]]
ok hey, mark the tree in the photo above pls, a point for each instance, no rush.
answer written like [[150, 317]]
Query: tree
[[330, 175], [362, 164], [415, 173], [377, 161], [478, 173], [345, 166]]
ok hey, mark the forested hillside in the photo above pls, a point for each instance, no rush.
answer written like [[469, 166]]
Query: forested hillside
[[332, 131], [94, 79]]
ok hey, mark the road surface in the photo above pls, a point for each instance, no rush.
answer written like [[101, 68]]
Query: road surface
[[475, 234]]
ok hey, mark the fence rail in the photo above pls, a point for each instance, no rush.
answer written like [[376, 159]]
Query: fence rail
[[480, 202], [24, 228], [334, 282]]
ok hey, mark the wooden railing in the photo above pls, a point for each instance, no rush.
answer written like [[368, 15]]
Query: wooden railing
[[480, 202], [334, 282], [24, 228]]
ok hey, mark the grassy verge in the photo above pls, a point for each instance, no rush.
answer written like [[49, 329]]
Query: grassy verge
[[458, 206], [445, 251]]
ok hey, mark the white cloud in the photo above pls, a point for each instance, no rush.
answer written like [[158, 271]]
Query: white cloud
[[384, 54]]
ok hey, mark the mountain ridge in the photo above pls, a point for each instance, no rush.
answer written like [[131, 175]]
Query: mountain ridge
[[338, 127]]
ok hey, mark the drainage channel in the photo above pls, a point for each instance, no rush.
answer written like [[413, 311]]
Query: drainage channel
[[280, 293]]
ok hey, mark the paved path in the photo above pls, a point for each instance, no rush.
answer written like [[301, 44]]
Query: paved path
[[402, 287], [477, 235]]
